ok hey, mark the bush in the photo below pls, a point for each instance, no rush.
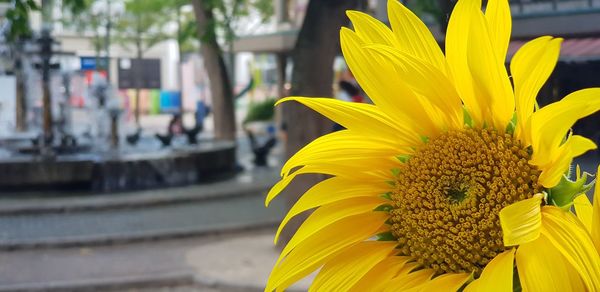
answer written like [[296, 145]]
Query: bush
[[261, 111]]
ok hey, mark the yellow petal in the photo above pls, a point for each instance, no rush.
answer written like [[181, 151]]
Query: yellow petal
[[596, 214], [360, 117], [285, 181], [456, 50], [378, 78], [554, 170], [346, 145], [498, 273], [370, 29], [323, 245], [584, 211], [346, 269], [549, 125], [497, 14], [410, 280], [542, 268], [419, 76], [352, 169], [530, 67], [571, 239], [414, 36], [332, 190], [521, 222], [376, 279], [327, 215], [443, 283], [491, 78]]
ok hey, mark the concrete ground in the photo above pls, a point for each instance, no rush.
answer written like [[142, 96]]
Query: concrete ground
[[239, 261], [184, 211], [210, 237]]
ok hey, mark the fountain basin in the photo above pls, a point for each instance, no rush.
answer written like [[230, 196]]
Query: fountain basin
[[119, 171]]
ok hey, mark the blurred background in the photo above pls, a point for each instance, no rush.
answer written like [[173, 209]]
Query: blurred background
[[138, 138]]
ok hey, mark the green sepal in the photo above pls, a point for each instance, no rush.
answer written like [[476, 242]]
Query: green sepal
[[510, 128], [563, 194], [395, 171], [516, 281], [425, 139], [384, 208], [468, 120], [403, 158], [391, 183], [386, 236], [387, 196], [569, 172]]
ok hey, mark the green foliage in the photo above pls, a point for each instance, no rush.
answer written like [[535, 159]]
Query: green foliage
[[141, 25], [187, 35], [18, 15], [436, 9], [75, 6], [228, 15], [87, 20], [187, 29], [425, 6], [261, 111]]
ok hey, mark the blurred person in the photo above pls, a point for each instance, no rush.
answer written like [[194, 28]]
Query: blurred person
[[350, 90], [175, 125]]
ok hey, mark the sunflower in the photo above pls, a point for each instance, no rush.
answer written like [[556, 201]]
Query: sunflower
[[454, 179]]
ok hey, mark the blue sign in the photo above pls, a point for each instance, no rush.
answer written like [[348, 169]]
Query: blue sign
[[93, 63], [170, 101]]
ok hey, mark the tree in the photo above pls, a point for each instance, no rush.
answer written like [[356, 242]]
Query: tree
[[218, 19], [89, 20], [186, 36], [18, 16], [140, 27], [312, 75]]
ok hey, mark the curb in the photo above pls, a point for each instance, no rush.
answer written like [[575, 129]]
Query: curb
[[108, 284], [136, 282], [131, 201], [129, 238], [233, 287]]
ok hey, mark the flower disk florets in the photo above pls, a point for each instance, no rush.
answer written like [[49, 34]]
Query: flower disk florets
[[449, 194]]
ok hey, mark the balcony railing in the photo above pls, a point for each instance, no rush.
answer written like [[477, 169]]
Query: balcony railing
[[550, 7]]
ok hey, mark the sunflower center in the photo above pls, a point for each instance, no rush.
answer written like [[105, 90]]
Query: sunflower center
[[449, 193]]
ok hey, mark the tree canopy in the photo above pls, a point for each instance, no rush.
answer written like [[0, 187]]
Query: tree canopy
[[19, 13]]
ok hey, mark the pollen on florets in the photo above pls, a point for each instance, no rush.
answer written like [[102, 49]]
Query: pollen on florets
[[449, 193]]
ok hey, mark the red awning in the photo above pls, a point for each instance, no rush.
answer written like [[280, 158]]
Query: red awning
[[571, 49]]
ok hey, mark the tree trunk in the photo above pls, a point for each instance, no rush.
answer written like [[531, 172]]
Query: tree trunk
[[313, 55], [21, 98], [180, 61], [220, 85], [138, 82]]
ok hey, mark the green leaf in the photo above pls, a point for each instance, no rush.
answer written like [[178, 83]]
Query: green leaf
[[467, 118], [510, 128], [384, 208], [387, 196], [563, 194], [386, 236], [403, 158]]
